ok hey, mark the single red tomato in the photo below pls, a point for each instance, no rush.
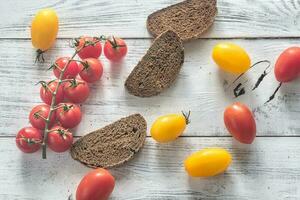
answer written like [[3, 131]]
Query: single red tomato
[[46, 92], [240, 122], [69, 115], [59, 139], [77, 91], [90, 51], [29, 139], [39, 114], [98, 184], [115, 49], [287, 67], [71, 71], [91, 70]]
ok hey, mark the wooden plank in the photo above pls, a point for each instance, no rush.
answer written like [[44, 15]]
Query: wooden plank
[[243, 18], [268, 169], [199, 88]]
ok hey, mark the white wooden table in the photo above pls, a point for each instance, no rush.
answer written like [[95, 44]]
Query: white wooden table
[[267, 169]]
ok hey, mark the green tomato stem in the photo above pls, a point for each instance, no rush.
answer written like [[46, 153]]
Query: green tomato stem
[[53, 107]]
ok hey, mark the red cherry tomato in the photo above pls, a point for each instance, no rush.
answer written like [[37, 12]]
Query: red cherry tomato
[[69, 115], [115, 49], [59, 139], [91, 71], [77, 91], [287, 66], [38, 115], [98, 184], [29, 139], [71, 71], [240, 122], [46, 92], [91, 51]]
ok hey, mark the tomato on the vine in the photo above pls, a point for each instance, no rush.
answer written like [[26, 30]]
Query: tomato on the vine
[[46, 92], [92, 51], [38, 116], [69, 115], [96, 185], [29, 139], [77, 91], [115, 49], [59, 139], [71, 71], [91, 70]]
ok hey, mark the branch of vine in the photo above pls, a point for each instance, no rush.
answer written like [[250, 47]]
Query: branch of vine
[[53, 106]]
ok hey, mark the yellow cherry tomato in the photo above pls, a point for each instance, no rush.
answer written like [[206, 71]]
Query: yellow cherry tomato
[[44, 28], [168, 127], [207, 162], [231, 58]]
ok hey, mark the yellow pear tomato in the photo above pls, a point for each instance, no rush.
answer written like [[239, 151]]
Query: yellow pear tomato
[[207, 162], [168, 127], [231, 58], [44, 28]]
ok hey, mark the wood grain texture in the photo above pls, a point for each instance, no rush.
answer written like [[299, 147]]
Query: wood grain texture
[[268, 169], [127, 18], [199, 88]]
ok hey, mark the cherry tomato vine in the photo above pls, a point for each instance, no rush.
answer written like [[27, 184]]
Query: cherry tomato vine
[[52, 105], [45, 132]]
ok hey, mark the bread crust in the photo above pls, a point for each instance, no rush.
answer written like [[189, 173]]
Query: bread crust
[[189, 19], [158, 68], [113, 144]]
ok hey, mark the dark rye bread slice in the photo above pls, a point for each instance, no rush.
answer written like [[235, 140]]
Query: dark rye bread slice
[[189, 19], [158, 68], [112, 145]]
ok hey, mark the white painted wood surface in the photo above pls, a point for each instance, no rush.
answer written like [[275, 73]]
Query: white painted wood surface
[[199, 88], [236, 18], [268, 169]]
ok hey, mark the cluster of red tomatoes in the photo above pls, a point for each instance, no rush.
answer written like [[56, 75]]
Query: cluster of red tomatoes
[[52, 120]]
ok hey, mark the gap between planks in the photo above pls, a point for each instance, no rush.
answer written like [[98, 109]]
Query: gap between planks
[[192, 136], [202, 38]]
